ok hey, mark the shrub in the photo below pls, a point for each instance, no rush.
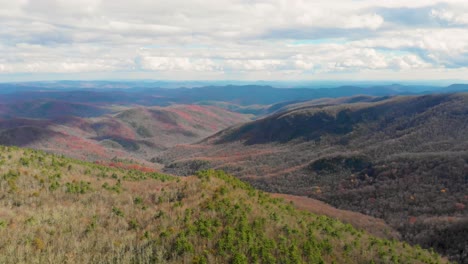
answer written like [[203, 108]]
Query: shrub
[[80, 187]]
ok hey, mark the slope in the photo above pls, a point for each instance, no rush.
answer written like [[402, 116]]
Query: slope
[[403, 159], [60, 210], [137, 132], [374, 226]]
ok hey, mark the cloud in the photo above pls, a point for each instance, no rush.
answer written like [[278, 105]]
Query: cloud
[[176, 64], [61, 7], [451, 17], [408, 17], [253, 65], [446, 47], [234, 38]]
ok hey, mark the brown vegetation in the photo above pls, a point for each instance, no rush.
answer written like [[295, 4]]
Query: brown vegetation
[[57, 210], [393, 159], [374, 226]]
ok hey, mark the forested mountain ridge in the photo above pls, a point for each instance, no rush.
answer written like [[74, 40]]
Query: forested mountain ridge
[[403, 159]]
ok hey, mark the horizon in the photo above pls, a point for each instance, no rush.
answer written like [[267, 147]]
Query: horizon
[[365, 40], [177, 84]]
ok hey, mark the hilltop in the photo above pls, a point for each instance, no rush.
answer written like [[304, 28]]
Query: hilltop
[[58, 210], [403, 159]]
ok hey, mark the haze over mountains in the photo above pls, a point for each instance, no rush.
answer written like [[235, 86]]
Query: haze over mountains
[[144, 93], [393, 152]]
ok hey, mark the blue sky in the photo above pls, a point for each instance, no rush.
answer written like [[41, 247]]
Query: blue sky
[[233, 40]]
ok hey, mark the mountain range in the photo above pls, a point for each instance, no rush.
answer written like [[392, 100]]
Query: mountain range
[[389, 159]]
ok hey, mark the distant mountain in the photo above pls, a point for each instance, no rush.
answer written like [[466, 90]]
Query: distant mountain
[[455, 88], [138, 132], [47, 109], [403, 159], [245, 98]]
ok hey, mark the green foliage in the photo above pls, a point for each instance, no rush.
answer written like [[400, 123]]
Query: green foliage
[[182, 245], [239, 258], [201, 259], [80, 187], [138, 200], [117, 212], [54, 185], [3, 223], [117, 187], [133, 224], [229, 179], [24, 161], [205, 227]]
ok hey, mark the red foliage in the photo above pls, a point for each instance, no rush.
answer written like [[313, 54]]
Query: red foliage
[[74, 144], [209, 117], [182, 114], [203, 110]]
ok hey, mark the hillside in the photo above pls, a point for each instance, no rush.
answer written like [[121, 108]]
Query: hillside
[[137, 132], [372, 225], [402, 159], [60, 210], [305, 122]]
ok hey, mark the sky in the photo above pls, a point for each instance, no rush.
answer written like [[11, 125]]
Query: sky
[[233, 40]]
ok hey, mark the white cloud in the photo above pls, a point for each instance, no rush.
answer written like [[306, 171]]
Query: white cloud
[[408, 62], [62, 7], [372, 21], [451, 17], [328, 19], [233, 38], [176, 64], [253, 65]]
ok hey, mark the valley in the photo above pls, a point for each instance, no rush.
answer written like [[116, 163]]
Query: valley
[[402, 159], [392, 164]]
